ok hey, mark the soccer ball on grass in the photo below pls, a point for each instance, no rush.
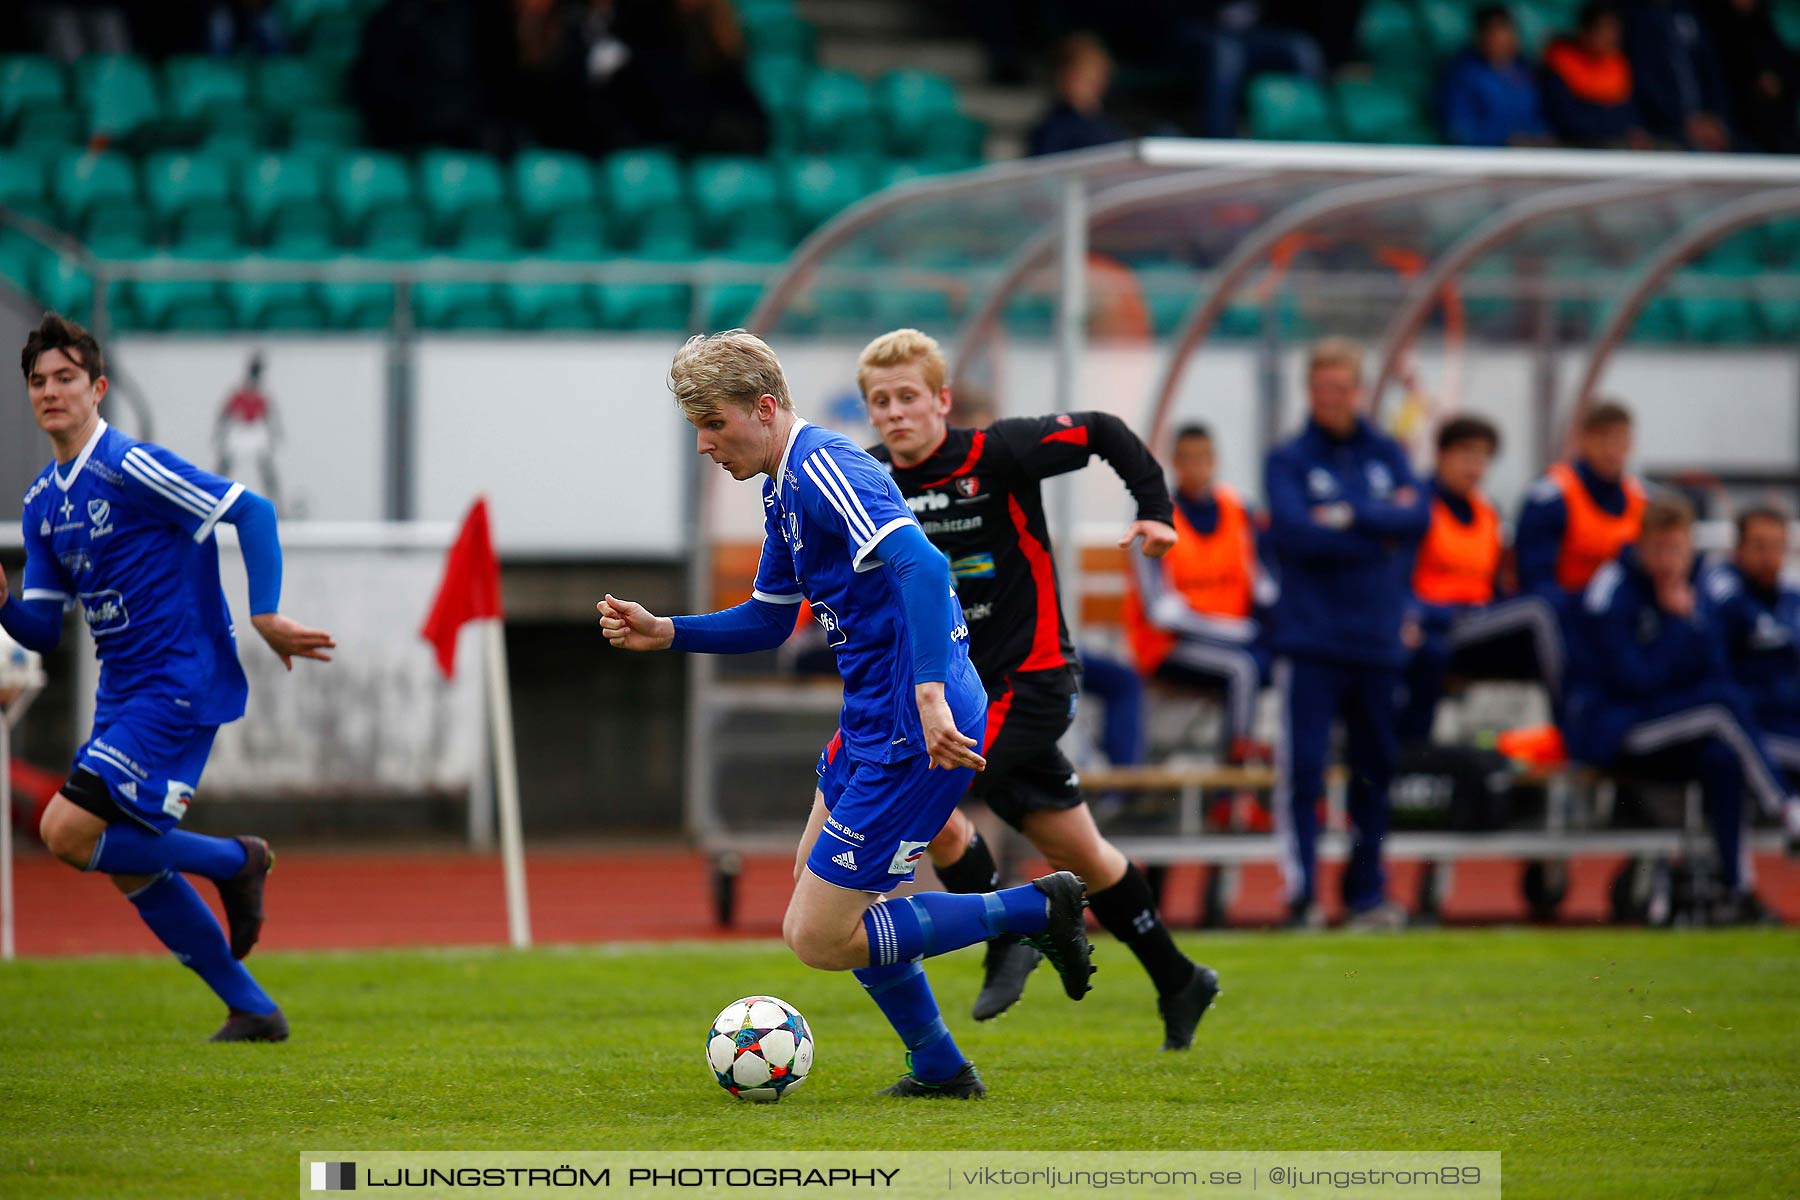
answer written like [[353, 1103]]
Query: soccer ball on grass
[[759, 1048]]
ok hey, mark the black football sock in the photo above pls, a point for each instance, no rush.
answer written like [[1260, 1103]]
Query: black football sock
[[974, 872], [1128, 912]]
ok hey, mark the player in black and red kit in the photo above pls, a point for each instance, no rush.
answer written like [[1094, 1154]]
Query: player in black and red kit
[[976, 493]]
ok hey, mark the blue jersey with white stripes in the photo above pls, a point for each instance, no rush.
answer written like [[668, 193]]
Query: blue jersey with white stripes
[[125, 531], [825, 512]]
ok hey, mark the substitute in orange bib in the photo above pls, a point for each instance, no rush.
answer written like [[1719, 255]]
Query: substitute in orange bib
[[1582, 512], [1189, 613], [1458, 623]]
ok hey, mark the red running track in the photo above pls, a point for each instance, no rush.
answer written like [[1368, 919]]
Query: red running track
[[338, 900]]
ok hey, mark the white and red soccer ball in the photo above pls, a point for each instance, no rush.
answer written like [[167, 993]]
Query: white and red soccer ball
[[759, 1048]]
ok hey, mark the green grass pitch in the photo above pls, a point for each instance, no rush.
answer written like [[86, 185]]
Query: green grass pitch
[[1624, 1064]]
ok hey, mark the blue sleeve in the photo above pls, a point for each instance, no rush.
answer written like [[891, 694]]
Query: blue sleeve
[[45, 578], [1291, 526], [1387, 519], [933, 616], [751, 626], [1458, 111], [254, 518], [34, 624], [1611, 613], [848, 491], [1538, 540], [186, 497], [1733, 610], [775, 580]]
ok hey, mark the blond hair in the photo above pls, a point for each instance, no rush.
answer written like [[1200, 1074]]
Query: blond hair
[[1665, 512], [899, 348], [733, 367], [1335, 352]]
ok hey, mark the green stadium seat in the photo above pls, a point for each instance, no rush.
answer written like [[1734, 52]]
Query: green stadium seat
[[1659, 321], [487, 234], [910, 104], [236, 134], [291, 85], [82, 181], [276, 182], [278, 304], [368, 182], [736, 199], [118, 94], [1370, 110], [454, 183], [174, 182], [1288, 108], [668, 236], [767, 32], [19, 263], [184, 304], [331, 128], [302, 233], [576, 233], [644, 306], [550, 183], [396, 231], [551, 306], [817, 189], [459, 305], [1781, 242], [62, 285], [1389, 33], [836, 114], [953, 143], [1741, 254], [194, 85], [23, 185], [1447, 26], [49, 132], [1717, 319], [360, 305], [1787, 23], [1778, 312], [728, 305], [637, 184], [302, 17], [28, 81]]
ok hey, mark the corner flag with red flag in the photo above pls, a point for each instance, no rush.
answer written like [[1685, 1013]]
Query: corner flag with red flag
[[470, 590]]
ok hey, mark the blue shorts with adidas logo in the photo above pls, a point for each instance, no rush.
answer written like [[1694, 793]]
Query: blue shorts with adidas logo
[[150, 755], [883, 815]]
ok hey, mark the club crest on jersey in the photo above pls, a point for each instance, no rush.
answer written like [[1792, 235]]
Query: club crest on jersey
[[98, 512], [790, 530], [1319, 483], [968, 485], [1065, 420], [1381, 480]]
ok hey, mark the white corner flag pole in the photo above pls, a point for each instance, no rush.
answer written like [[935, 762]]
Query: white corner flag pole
[[9, 714], [506, 778]]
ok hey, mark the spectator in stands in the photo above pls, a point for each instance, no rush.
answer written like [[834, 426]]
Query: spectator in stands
[[1458, 624], [1759, 611], [72, 29], [1345, 514], [245, 25], [1189, 614], [1649, 692], [1678, 87], [1582, 512], [1587, 84], [568, 66], [1082, 71], [685, 78], [1761, 73], [1333, 26], [1233, 40], [1489, 95], [436, 73]]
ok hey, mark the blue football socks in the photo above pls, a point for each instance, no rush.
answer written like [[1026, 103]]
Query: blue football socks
[[904, 996], [125, 849], [929, 923], [180, 919]]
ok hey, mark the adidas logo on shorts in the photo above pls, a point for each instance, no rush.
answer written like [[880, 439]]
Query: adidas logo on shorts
[[846, 860]]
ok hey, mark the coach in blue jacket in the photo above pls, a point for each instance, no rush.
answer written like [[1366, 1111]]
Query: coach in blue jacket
[[1649, 690], [1759, 615], [1345, 515]]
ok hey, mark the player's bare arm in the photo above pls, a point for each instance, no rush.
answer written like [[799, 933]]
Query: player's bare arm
[[1159, 537], [946, 745], [286, 637], [631, 626]]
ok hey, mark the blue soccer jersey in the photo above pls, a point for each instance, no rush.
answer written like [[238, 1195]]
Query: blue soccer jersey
[[125, 531], [825, 512]]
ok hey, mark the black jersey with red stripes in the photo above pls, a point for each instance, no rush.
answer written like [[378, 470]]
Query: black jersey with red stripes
[[978, 499]]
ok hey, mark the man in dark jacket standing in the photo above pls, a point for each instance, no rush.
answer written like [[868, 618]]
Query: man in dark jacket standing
[[1345, 514]]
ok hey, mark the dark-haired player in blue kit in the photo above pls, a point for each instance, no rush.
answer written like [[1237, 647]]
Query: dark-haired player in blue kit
[[838, 534], [124, 530]]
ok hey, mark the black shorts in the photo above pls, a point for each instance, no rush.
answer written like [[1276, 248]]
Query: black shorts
[[1027, 771]]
